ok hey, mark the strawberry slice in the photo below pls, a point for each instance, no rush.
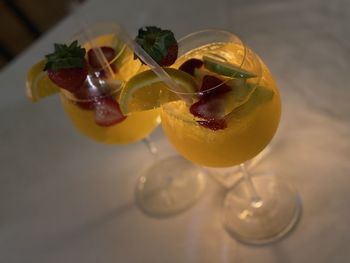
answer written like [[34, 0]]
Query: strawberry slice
[[213, 86], [107, 112], [66, 66], [208, 109], [190, 65], [211, 102], [87, 96], [211, 105], [215, 124], [69, 79], [94, 60]]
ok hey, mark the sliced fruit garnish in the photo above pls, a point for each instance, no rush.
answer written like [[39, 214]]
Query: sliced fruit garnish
[[95, 88], [208, 109], [226, 69], [38, 84], [66, 66], [107, 112], [96, 55], [70, 79], [103, 56], [146, 90], [212, 104], [215, 124], [216, 112], [87, 95], [212, 86], [259, 96], [239, 94], [112, 42], [190, 65]]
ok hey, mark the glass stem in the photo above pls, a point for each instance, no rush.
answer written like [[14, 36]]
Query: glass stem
[[151, 147], [165, 194], [255, 199]]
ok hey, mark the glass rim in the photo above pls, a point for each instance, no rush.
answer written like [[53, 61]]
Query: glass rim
[[90, 33], [208, 30]]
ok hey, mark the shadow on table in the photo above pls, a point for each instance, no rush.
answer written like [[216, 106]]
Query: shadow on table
[[280, 254], [85, 229]]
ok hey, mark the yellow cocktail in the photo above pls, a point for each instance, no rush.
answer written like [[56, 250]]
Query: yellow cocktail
[[122, 66], [250, 127], [135, 126], [100, 63], [231, 116]]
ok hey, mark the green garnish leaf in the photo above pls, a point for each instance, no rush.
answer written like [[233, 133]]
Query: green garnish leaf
[[64, 56], [155, 41]]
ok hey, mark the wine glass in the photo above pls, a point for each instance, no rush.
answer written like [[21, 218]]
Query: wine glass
[[231, 118], [94, 108]]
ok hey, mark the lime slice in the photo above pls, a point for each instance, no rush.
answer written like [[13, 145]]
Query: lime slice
[[38, 84], [259, 96], [226, 69], [146, 91], [240, 93]]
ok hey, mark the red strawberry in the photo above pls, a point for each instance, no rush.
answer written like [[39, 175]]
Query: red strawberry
[[189, 65], [211, 106], [208, 109], [215, 124], [160, 44], [66, 66], [87, 96], [70, 79], [93, 56], [107, 112], [170, 57], [212, 86]]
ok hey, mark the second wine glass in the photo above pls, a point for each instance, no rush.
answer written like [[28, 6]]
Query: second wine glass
[[94, 108], [232, 117]]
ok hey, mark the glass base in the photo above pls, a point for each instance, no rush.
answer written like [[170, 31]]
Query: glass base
[[169, 187], [264, 221]]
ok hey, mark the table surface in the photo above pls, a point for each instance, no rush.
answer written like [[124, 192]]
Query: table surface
[[64, 198]]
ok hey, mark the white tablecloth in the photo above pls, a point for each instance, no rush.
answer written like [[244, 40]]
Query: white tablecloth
[[64, 198]]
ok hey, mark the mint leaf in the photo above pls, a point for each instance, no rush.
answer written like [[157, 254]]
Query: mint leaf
[[64, 56], [156, 42]]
